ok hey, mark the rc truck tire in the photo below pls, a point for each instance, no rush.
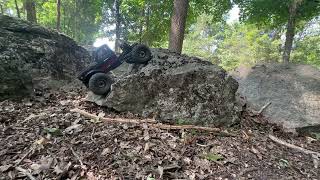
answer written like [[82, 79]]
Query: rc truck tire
[[141, 54], [100, 83]]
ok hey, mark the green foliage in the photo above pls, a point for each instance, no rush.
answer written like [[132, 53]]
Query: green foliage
[[80, 19], [216, 9], [152, 16], [213, 157], [149, 21], [231, 45], [247, 45], [53, 131], [204, 37], [275, 13], [46, 13], [307, 51]]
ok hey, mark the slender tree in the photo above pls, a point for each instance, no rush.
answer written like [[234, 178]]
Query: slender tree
[[276, 14], [1, 9], [17, 8], [291, 25], [147, 22], [118, 24], [142, 14], [58, 14], [30, 8], [178, 22]]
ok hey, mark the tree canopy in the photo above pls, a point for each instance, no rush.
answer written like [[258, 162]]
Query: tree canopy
[[275, 13], [258, 37]]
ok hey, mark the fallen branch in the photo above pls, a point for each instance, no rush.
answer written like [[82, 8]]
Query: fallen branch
[[151, 123], [256, 113], [306, 151], [177, 127], [119, 120]]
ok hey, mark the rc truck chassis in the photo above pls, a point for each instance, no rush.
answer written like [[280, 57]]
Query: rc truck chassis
[[97, 78]]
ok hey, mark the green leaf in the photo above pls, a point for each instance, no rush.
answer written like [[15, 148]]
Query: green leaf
[[53, 131], [213, 157], [283, 163]]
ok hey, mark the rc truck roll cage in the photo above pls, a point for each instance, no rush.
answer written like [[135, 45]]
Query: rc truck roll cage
[[96, 77]]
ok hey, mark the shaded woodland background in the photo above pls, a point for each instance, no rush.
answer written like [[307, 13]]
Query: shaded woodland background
[[268, 30]]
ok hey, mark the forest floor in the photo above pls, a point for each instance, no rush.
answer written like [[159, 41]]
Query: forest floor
[[40, 138]]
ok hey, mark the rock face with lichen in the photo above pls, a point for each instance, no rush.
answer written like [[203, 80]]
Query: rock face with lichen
[[30, 53], [175, 88]]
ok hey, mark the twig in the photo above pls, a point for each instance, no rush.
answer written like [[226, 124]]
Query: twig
[[306, 151], [248, 170], [25, 172], [77, 156], [152, 123], [91, 136], [315, 161], [177, 127], [256, 113], [24, 156], [205, 145], [119, 120]]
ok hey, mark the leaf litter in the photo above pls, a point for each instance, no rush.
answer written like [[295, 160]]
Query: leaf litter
[[41, 139]]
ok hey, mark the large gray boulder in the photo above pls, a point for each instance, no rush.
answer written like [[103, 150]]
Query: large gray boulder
[[178, 89], [293, 90], [30, 54]]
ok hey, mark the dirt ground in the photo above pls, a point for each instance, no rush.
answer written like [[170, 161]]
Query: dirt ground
[[40, 138]]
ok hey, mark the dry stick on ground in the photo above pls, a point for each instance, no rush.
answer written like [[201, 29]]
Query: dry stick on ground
[[306, 151], [151, 123], [77, 156], [256, 113], [119, 120], [315, 155]]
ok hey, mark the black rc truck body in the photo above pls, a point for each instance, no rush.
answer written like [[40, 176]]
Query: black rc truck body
[[97, 77]]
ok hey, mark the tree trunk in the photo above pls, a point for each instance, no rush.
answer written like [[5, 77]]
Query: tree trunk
[[146, 41], [118, 25], [142, 14], [17, 8], [291, 25], [178, 22], [74, 31], [30, 7], [58, 14], [1, 8]]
